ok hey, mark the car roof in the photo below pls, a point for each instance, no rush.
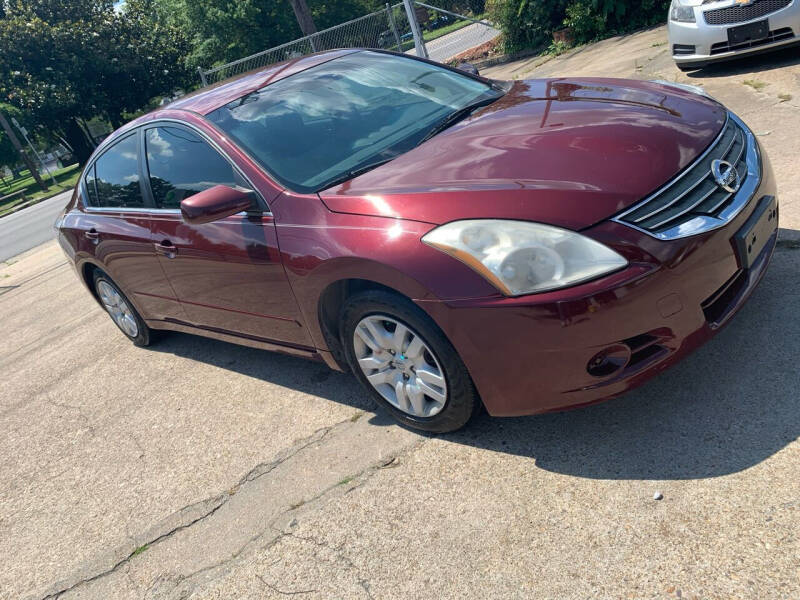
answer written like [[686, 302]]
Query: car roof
[[210, 98]]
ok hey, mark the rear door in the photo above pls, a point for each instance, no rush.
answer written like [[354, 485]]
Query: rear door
[[115, 228], [227, 274]]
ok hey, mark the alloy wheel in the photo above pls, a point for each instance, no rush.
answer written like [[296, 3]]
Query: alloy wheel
[[400, 365], [118, 308]]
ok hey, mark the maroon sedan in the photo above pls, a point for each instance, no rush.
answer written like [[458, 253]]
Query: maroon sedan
[[454, 241]]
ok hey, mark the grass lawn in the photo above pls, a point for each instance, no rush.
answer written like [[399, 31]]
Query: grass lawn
[[66, 179]]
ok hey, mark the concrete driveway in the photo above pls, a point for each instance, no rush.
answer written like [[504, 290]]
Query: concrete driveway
[[198, 469]]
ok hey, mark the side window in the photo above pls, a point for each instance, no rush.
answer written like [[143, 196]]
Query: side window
[[89, 179], [182, 164], [117, 176]]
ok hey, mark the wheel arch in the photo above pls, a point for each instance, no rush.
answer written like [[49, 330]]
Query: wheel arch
[[329, 308], [87, 270]]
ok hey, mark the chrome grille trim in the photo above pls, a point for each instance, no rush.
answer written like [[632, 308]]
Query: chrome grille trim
[[694, 185], [723, 210], [741, 13]]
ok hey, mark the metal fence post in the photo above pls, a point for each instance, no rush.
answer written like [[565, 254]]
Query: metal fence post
[[389, 13], [202, 76], [419, 43]]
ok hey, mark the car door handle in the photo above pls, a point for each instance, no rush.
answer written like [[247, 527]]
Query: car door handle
[[166, 248], [92, 235]]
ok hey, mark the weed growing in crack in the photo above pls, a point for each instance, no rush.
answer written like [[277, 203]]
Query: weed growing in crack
[[755, 84]]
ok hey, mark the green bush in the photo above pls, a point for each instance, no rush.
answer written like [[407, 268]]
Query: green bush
[[586, 24], [530, 23], [594, 19], [527, 23]]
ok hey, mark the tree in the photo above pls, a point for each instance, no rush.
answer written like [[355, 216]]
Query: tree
[[9, 156], [222, 31], [303, 15], [65, 60], [13, 140]]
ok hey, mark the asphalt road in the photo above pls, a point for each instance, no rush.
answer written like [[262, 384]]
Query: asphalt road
[[460, 40], [30, 227]]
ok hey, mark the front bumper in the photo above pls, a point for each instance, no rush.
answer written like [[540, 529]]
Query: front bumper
[[531, 354], [700, 43]]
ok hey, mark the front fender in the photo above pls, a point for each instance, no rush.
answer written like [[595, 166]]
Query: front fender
[[329, 247]]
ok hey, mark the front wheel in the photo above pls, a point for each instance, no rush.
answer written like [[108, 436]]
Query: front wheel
[[410, 367]]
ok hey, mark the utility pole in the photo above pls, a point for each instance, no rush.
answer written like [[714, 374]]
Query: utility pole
[[15, 142]]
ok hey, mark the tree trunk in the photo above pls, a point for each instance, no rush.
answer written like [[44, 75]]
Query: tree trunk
[[77, 141], [116, 121], [34, 169], [304, 18]]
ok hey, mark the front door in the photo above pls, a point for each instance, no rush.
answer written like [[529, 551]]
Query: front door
[[227, 274]]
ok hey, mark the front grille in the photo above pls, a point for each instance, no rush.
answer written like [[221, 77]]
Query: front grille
[[682, 49], [694, 192], [784, 33], [742, 13]]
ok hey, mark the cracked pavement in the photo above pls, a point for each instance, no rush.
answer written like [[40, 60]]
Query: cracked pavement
[[198, 469]]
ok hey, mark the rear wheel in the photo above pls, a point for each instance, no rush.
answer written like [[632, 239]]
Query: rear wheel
[[121, 310], [407, 363]]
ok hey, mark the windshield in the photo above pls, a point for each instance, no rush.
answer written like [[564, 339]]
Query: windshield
[[317, 126]]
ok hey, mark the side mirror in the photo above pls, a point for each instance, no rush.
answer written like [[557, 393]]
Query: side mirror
[[214, 203], [467, 68]]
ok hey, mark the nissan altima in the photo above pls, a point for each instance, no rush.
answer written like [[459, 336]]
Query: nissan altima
[[455, 242]]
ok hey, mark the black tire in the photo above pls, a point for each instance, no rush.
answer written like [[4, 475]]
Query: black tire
[[144, 334], [462, 401]]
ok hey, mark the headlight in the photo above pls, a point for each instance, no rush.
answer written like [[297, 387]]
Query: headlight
[[681, 13], [519, 258]]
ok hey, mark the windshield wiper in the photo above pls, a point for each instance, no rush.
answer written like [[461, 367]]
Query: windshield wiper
[[348, 175], [456, 116]]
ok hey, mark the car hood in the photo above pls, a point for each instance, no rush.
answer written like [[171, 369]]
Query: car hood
[[570, 152]]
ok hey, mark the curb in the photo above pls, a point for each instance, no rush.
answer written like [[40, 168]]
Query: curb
[[28, 203], [791, 236], [507, 58]]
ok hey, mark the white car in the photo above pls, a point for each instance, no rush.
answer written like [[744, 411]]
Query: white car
[[705, 31]]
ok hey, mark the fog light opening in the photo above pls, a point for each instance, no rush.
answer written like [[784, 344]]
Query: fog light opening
[[609, 361]]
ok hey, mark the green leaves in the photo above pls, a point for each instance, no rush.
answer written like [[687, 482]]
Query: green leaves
[[222, 31], [61, 59], [529, 24]]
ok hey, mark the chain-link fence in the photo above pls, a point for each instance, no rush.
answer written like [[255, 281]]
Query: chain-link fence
[[445, 32]]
